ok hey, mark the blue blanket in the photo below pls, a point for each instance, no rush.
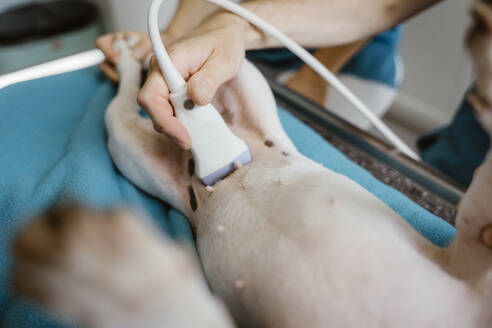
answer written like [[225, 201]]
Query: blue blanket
[[53, 149]]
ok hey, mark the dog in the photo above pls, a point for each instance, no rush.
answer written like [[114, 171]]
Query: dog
[[283, 241]]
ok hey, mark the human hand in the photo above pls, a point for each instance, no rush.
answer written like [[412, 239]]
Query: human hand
[[206, 58], [139, 42]]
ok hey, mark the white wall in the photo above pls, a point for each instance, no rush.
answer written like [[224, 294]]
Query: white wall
[[121, 15], [438, 69]]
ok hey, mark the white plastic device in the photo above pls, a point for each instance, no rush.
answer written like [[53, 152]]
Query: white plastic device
[[214, 147]]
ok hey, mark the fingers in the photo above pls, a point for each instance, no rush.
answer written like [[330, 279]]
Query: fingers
[[142, 49], [154, 96], [217, 70], [206, 60], [139, 42], [153, 63], [206, 63], [189, 55], [154, 99], [105, 43], [110, 71]]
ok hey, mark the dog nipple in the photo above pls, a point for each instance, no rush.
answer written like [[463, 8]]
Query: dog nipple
[[487, 236], [238, 165], [210, 189], [221, 229], [240, 284]]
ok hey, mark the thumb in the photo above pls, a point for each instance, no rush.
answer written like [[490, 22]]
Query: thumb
[[217, 70]]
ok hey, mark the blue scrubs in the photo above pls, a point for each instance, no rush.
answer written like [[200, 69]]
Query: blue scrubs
[[459, 148], [375, 62]]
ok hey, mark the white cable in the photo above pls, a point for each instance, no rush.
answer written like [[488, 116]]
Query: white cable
[[58, 66], [173, 79], [290, 44]]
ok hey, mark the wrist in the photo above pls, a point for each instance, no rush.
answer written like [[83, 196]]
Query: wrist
[[168, 37], [251, 36]]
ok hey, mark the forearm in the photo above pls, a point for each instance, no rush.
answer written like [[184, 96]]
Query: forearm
[[319, 23], [190, 14]]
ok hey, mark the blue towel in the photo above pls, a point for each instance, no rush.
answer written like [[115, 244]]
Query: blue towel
[[53, 149]]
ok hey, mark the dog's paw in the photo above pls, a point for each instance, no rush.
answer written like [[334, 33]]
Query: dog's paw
[[124, 46], [87, 265]]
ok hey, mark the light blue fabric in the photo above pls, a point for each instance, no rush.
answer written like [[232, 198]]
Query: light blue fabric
[[377, 60], [53, 149]]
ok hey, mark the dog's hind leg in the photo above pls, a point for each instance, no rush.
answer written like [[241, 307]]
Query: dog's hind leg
[[105, 269]]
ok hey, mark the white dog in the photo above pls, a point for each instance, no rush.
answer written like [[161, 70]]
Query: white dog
[[284, 242]]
